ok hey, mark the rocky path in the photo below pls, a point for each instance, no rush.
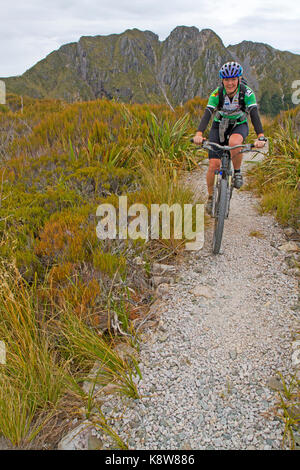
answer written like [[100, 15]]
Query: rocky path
[[225, 329]]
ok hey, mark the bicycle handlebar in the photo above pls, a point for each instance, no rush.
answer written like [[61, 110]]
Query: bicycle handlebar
[[208, 145]]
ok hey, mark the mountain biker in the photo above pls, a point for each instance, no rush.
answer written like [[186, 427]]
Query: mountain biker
[[233, 102]]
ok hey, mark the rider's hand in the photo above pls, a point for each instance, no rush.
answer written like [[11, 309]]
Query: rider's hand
[[198, 139], [259, 143]]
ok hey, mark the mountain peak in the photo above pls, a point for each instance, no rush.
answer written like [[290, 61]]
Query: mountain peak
[[209, 33], [184, 33], [181, 32]]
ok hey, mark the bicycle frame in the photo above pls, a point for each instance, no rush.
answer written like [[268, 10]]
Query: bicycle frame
[[223, 187], [226, 167]]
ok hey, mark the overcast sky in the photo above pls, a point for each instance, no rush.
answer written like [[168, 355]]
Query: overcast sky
[[32, 29]]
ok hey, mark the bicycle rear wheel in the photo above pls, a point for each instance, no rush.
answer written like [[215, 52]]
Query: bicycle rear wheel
[[221, 206]]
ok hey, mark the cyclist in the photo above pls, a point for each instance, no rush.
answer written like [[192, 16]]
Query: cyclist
[[233, 101]]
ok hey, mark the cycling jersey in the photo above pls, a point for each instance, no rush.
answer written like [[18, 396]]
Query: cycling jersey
[[231, 108]]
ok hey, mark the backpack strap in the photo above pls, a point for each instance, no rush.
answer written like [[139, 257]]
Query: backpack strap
[[221, 97], [242, 96]]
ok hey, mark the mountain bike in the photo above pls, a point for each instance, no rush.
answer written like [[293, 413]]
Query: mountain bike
[[223, 188]]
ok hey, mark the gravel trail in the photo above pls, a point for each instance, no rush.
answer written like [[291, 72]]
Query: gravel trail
[[225, 330]]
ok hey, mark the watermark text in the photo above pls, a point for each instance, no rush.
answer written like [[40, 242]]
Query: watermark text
[[164, 222], [2, 353], [296, 94], [2, 92]]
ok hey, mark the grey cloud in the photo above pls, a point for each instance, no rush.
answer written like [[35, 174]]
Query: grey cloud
[[271, 31], [31, 30]]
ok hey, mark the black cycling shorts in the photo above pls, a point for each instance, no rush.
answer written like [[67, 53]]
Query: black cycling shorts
[[242, 129]]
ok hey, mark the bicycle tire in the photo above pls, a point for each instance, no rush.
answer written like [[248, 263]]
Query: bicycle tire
[[220, 216], [229, 196]]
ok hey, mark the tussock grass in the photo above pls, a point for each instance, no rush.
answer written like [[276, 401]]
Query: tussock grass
[[289, 408], [83, 346], [161, 185], [169, 142], [47, 359], [276, 178], [32, 380]]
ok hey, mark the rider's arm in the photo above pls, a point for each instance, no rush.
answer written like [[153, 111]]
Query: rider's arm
[[255, 119], [251, 104], [213, 102], [205, 119]]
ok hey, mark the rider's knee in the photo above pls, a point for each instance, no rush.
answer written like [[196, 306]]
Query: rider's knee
[[214, 164], [235, 139]]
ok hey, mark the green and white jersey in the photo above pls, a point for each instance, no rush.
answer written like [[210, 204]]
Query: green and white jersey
[[231, 108]]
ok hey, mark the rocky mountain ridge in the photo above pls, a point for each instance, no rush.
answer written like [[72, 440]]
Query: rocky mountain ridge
[[135, 66]]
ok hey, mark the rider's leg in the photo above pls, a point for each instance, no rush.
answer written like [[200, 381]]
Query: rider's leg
[[214, 158], [214, 164], [237, 137], [236, 157]]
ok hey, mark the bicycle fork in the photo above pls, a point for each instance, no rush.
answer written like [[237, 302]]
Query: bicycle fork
[[229, 192], [215, 194], [217, 182]]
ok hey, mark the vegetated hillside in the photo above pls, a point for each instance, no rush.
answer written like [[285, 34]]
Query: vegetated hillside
[[60, 161], [135, 66]]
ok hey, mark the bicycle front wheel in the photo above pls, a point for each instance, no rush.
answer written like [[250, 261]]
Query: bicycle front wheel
[[221, 206]]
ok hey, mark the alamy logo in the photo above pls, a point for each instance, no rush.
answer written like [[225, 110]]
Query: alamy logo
[[2, 92], [2, 353], [111, 227], [296, 94]]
